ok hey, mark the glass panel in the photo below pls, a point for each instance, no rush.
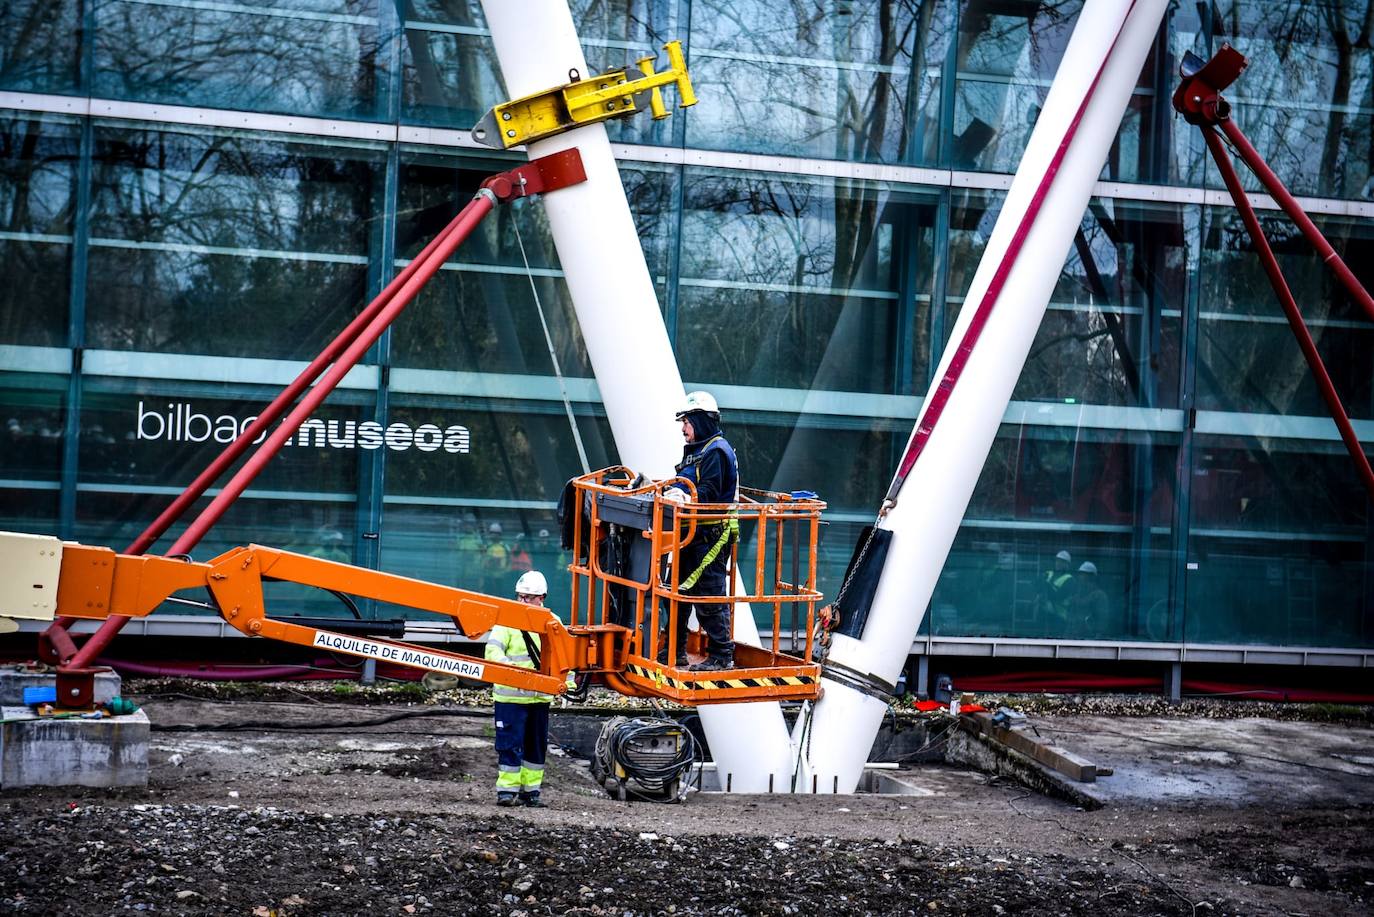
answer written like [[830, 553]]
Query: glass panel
[[26, 509], [37, 199], [459, 547], [450, 76], [802, 284], [156, 436], [479, 314], [480, 509], [1282, 545], [1111, 333], [1006, 60], [488, 452], [33, 410], [857, 82], [1248, 358], [1153, 143], [1305, 99], [306, 57], [1007, 57], [1105, 497], [40, 45], [226, 244], [318, 528]]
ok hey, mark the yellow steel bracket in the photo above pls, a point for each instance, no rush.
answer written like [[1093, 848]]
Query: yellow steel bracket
[[582, 102]]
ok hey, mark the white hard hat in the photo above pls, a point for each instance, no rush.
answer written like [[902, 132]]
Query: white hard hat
[[1064, 556], [1087, 567], [698, 401], [494, 528], [532, 583]]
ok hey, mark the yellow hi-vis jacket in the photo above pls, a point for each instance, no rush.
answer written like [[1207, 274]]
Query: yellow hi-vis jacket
[[506, 644]]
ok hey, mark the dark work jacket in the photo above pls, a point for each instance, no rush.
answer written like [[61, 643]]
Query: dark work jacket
[[712, 466]]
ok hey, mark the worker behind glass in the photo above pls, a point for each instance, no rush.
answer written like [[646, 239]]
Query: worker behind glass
[[522, 717], [709, 462]]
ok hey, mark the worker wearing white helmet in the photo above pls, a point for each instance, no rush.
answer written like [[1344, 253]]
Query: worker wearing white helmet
[[522, 717], [1089, 609], [709, 462], [1056, 589]]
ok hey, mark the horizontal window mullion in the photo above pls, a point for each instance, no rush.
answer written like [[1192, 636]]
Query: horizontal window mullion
[[164, 490], [755, 57], [243, 9], [483, 502], [192, 248], [785, 288], [36, 237]]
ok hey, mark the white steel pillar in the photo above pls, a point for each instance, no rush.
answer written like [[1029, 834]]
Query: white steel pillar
[[617, 309], [933, 499]]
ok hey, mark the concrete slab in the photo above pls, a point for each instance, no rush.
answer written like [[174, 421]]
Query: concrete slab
[[42, 751], [1244, 761], [15, 678]]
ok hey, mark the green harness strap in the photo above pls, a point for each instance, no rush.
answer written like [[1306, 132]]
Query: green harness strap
[[728, 530]]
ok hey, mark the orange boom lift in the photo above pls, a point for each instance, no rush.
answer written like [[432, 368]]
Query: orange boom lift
[[615, 622]]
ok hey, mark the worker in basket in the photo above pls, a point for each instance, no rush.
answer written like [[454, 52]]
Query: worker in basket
[[522, 717], [709, 462]]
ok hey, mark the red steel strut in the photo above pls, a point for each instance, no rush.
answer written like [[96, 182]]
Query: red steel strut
[[75, 674], [1198, 99]]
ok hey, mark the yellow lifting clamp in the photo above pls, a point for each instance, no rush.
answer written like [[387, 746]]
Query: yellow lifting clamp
[[582, 102]]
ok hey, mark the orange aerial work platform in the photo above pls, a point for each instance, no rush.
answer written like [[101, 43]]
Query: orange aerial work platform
[[626, 536]]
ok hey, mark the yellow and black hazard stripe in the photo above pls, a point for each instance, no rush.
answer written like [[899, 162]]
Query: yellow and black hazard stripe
[[660, 677]]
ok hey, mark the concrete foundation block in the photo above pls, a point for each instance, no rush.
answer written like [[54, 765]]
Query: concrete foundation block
[[43, 751], [14, 679]]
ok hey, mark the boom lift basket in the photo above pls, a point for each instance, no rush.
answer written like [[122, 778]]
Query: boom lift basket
[[627, 572]]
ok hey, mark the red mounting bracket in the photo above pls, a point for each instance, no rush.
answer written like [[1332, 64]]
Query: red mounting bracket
[[538, 176], [1198, 97]]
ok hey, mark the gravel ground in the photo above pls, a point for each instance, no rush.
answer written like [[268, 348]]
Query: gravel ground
[[268, 806]]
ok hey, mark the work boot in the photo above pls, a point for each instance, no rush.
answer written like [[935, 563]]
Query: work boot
[[532, 801], [662, 658], [505, 800], [712, 664]]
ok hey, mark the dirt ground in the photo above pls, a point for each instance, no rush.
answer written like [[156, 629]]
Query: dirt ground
[[320, 806]]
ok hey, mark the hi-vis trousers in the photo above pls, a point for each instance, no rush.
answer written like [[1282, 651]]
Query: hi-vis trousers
[[522, 741]]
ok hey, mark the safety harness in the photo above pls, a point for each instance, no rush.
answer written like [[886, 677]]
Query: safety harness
[[729, 528]]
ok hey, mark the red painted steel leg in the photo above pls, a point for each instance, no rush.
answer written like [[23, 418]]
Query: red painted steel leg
[[258, 427], [1290, 205], [539, 176], [283, 401], [466, 222], [1290, 307]]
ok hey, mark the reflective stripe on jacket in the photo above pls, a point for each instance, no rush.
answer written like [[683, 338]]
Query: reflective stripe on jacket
[[506, 644]]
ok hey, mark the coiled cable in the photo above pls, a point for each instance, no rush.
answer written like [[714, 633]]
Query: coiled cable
[[618, 750]]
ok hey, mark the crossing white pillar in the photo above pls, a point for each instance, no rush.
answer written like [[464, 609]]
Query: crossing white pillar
[[617, 309], [932, 502]]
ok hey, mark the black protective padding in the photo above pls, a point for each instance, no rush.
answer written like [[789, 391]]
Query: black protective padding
[[862, 579]]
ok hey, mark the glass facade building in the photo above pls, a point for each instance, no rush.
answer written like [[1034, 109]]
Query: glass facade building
[[196, 196]]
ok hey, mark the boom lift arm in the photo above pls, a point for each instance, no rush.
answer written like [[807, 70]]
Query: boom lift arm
[[96, 583], [621, 605]]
